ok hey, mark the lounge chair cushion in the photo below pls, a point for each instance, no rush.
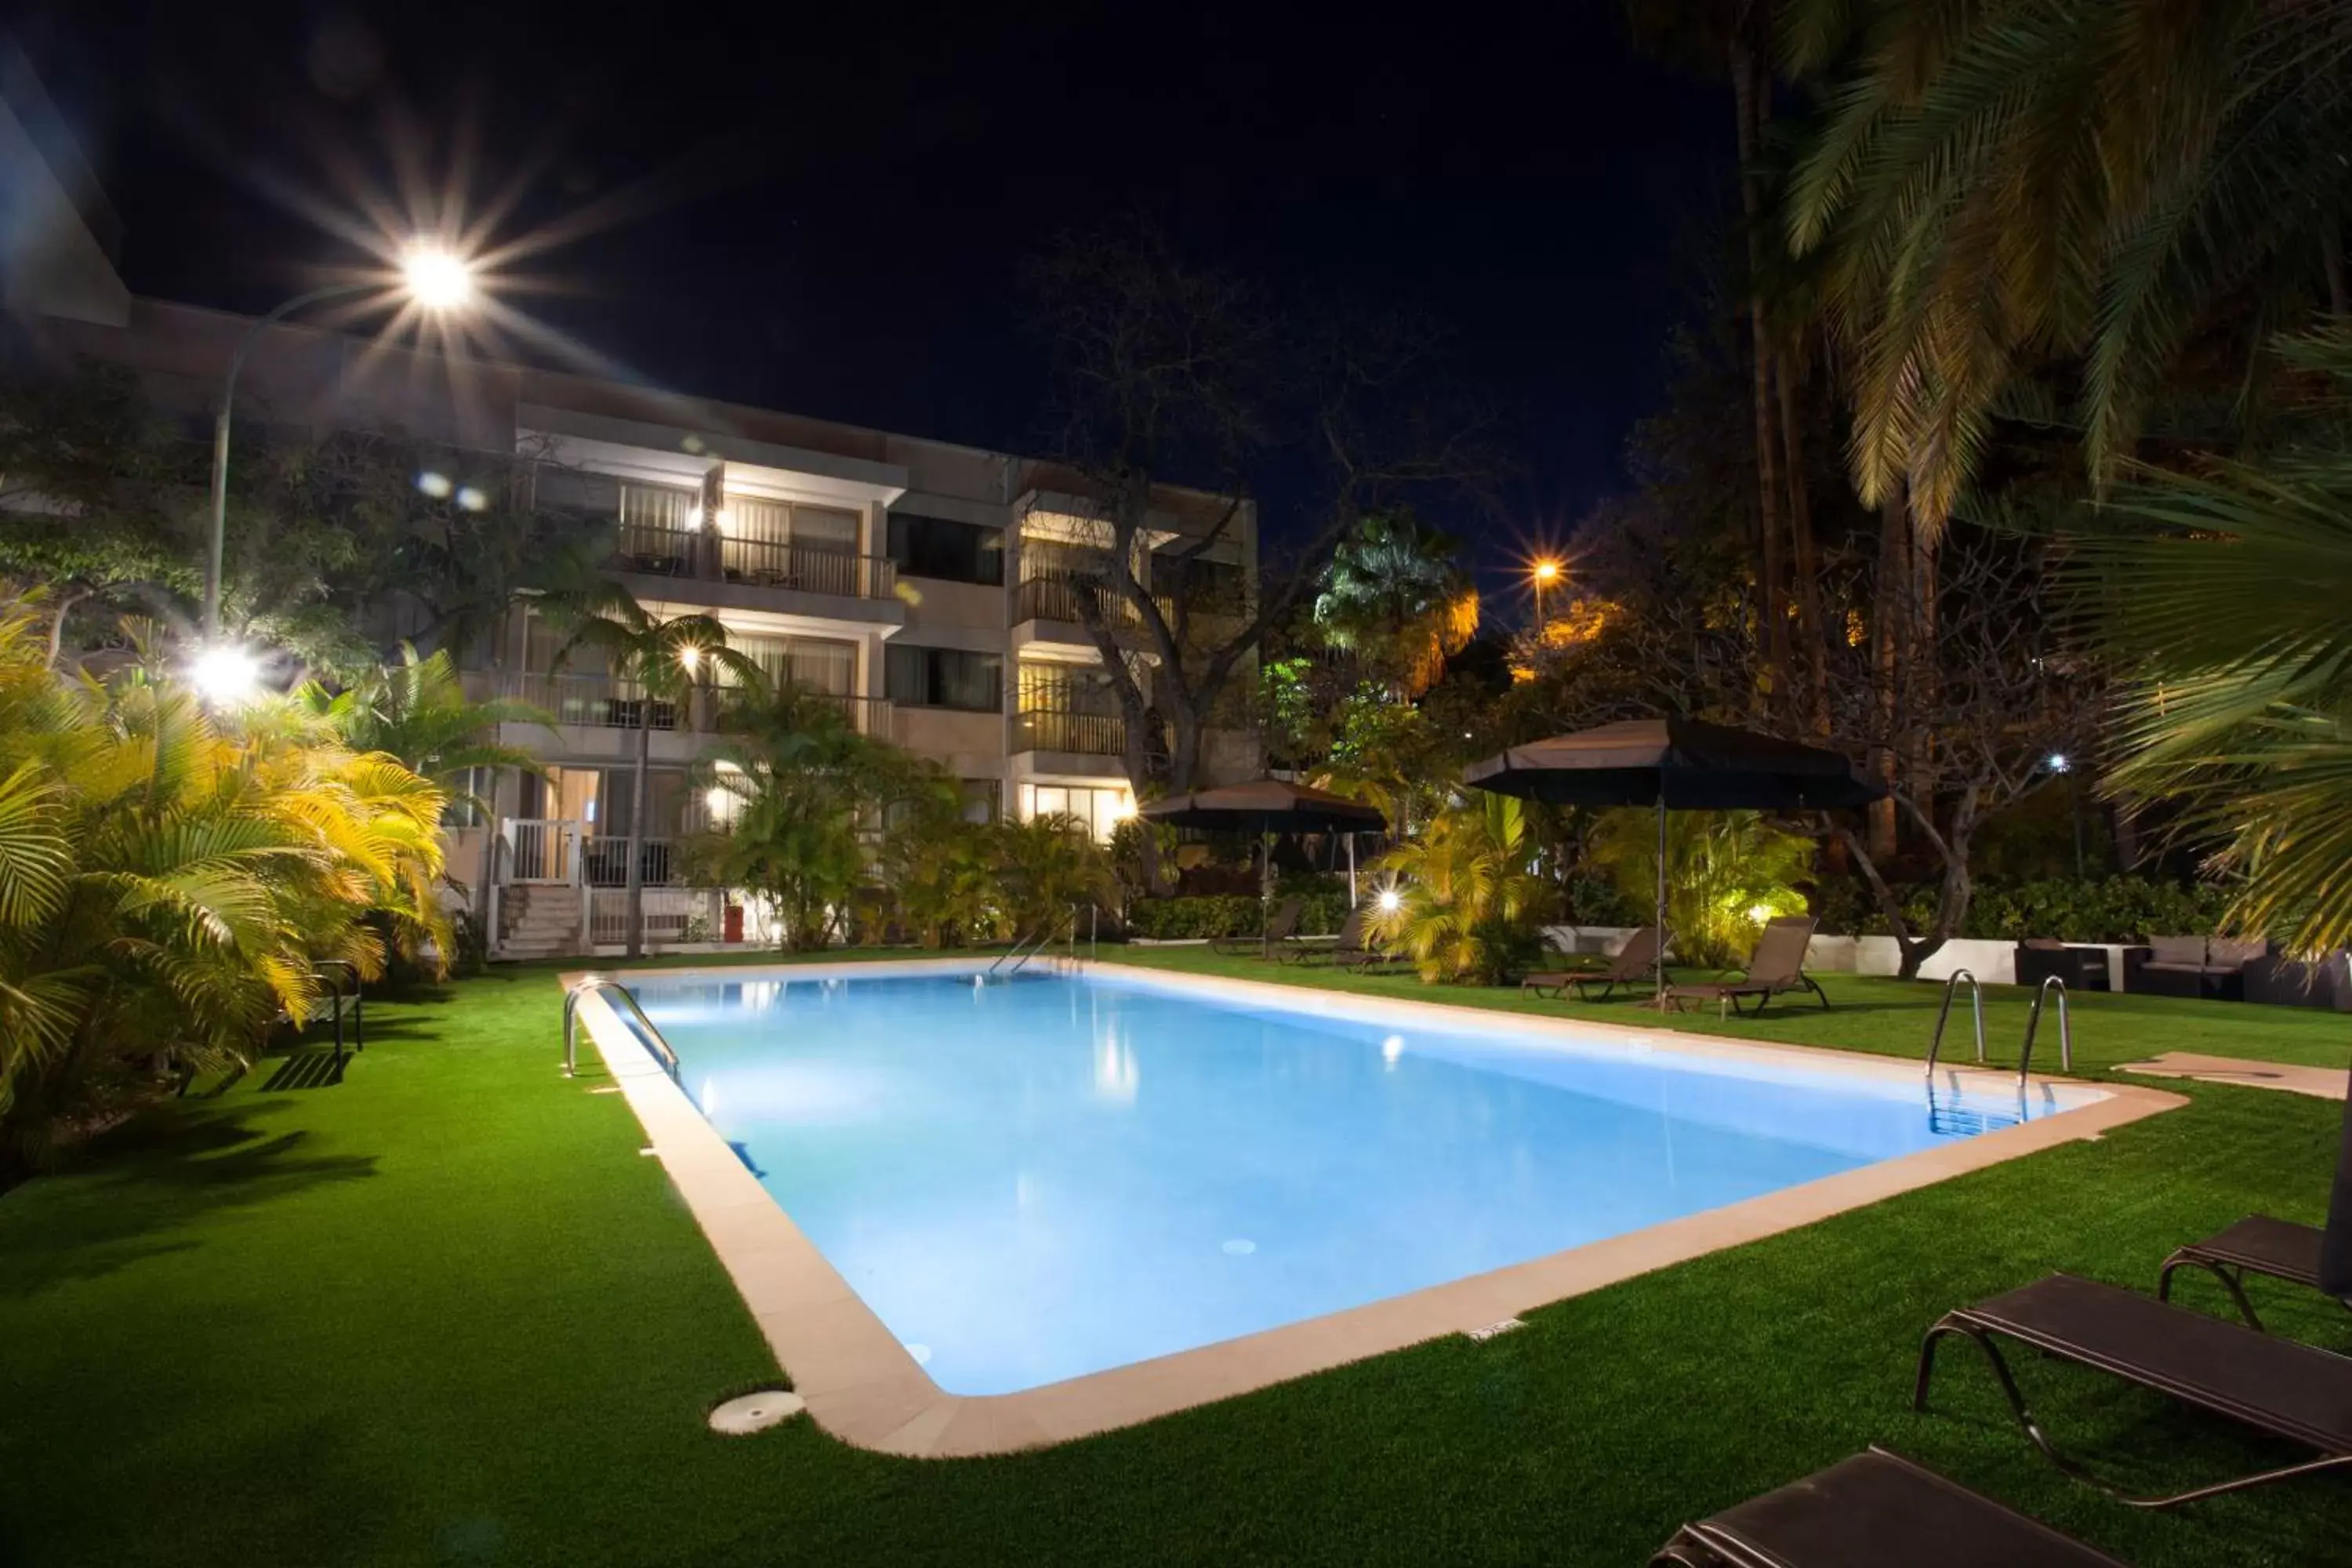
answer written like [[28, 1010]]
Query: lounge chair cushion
[[2172, 949], [1876, 1510], [2277, 1386]]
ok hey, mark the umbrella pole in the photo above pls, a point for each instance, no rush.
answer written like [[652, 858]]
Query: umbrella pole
[[1265, 893], [1662, 896], [1351, 870]]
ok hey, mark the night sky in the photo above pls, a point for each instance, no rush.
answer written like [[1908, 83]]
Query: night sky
[[822, 209]]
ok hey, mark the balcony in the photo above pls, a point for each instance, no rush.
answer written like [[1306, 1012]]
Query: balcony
[[1081, 734], [691, 556], [604, 702], [1057, 593]]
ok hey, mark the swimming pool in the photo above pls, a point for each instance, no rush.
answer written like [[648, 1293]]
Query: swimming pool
[[1034, 1181]]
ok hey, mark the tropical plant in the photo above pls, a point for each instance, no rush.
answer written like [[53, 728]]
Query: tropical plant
[[1469, 900], [1049, 865], [941, 871], [2230, 610], [1727, 872], [800, 796], [660, 659], [166, 881], [2042, 184], [417, 712], [1394, 595]]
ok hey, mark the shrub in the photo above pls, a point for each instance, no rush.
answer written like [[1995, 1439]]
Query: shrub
[[1727, 872], [1228, 914], [2113, 910]]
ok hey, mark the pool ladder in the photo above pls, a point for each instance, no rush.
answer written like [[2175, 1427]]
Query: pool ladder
[[2032, 1024], [648, 1035], [1024, 952]]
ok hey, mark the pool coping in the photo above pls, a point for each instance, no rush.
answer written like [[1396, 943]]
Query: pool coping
[[862, 1387]]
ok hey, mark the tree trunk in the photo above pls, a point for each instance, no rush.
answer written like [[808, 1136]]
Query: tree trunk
[[1890, 614], [1748, 105], [636, 903], [1810, 626], [1920, 678]]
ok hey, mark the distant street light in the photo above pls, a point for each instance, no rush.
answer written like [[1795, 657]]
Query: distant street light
[[434, 279], [1544, 573]]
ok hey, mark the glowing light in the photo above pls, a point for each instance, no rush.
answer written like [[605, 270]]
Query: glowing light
[[1391, 900], [2059, 763], [437, 486], [226, 673], [716, 798], [436, 279], [1547, 570], [1759, 913], [690, 656], [471, 500], [1391, 1048], [1124, 809]]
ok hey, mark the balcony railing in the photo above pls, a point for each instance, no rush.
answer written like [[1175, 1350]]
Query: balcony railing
[[1056, 594], [599, 701], [809, 570], [605, 861], [1054, 730], [659, 551]]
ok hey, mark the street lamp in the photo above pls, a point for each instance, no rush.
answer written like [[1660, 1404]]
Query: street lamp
[[434, 279], [1544, 573]]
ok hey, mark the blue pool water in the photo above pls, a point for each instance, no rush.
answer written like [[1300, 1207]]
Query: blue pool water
[[1035, 1180]]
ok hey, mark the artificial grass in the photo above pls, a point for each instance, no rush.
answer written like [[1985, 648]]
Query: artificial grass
[[443, 1312]]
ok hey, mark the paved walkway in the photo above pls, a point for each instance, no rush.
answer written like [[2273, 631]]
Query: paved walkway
[[2321, 1083]]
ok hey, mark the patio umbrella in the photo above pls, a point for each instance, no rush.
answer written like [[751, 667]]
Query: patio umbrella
[[1270, 806], [1675, 764]]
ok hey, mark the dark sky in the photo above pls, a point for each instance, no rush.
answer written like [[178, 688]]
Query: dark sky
[[821, 209]]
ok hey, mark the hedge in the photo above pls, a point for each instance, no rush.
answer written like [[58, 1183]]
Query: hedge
[[2119, 909], [1175, 919]]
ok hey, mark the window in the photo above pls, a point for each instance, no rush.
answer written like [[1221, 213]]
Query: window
[[944, 678], [981, 797], [812, 664], [1097, 809], [468, 798], [659, 528], [943, 548]]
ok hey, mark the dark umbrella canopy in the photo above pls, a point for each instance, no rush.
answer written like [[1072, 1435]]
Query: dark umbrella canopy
[[1682, 764], [1268, 805], [1674, 764], [2335, 1247]]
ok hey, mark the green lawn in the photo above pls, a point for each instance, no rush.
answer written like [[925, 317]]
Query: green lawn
[[444, 1312]]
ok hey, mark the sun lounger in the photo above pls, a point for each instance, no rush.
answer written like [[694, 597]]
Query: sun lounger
[[1776, 965], [2287, 1390], [1349, 952], [2278, 1248], [1634, 963], [1281, 925], [1874, 1511]]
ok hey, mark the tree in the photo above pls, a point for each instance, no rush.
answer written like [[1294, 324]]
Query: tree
[[1727, 872], [2088, 188], [1050, 864], [167, 879], [417, 713], [1169, 372], [805, 796], [663, 658], [2222, 595], [1468, 894], [1395, 599]]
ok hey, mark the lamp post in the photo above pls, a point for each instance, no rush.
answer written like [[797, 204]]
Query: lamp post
[[436, 279], [1544, 573]]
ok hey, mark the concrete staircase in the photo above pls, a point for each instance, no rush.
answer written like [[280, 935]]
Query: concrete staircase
[[539, 919]]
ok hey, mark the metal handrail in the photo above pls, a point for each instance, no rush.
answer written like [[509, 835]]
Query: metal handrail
[[1976, 1004], [651, 1039], [2065, 1030], [1036, 945]]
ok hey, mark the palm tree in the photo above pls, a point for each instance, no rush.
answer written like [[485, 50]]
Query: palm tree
[[1469, 896], [663, 657], [1395, 595], [417, 712], [1050, 864], [2046, 184], [2229, 615], [1727, 872], [166, 881]]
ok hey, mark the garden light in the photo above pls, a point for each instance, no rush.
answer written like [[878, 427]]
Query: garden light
[[1391, 900], [436, 279], [226, 673]]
